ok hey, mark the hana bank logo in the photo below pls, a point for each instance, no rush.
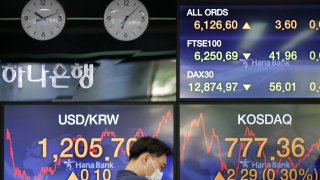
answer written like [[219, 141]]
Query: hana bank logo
[[69, 163], [245, 163]]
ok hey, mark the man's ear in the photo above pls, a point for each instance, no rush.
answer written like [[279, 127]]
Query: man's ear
[[143, 158]]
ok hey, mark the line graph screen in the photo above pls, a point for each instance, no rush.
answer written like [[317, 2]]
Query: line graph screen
[[249, 141], [79, 141]]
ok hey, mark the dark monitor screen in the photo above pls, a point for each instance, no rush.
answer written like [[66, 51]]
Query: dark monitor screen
[[233, 50]]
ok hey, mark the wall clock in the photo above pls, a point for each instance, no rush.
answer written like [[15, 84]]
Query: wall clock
[[43, 19], [126, 20]]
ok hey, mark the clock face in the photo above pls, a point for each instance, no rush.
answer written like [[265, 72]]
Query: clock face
[[126, 20], [43, 19]]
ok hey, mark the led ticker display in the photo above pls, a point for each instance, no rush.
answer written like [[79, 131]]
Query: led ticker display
[[79, 141], [249, 142], [249, 51]]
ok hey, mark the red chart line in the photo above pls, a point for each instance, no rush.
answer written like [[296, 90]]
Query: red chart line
[[22, 174], [214, 137]]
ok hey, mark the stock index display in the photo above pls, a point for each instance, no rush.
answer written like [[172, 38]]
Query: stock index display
[[265, 142], [249, 50], [87, 142]]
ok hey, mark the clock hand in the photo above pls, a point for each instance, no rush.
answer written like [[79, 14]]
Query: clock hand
[[37, 14], [126, 18], [123, 22], [132, 12], [44, 18], [52, 14]]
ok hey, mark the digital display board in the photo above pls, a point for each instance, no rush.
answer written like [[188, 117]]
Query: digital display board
[[249, 141], [79, 141], [235, 50]]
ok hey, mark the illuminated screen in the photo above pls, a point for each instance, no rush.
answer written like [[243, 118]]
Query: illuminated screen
[[249, 142], [67, 141], [249, 51]]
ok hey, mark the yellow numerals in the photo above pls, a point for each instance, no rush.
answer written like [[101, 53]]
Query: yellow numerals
[[286, 24], [215, 25], [297, 147], [245, 144], [82, 148]]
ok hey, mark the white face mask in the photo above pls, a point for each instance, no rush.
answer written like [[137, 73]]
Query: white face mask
[[157, 174]]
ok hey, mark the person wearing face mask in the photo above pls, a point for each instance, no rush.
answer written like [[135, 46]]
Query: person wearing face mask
[[147, 160]]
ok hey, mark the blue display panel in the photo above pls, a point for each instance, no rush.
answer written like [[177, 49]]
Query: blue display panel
[[63, 141], [249, 142], [249, 50]]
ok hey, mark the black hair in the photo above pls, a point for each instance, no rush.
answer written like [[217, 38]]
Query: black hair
[[150, 145]]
